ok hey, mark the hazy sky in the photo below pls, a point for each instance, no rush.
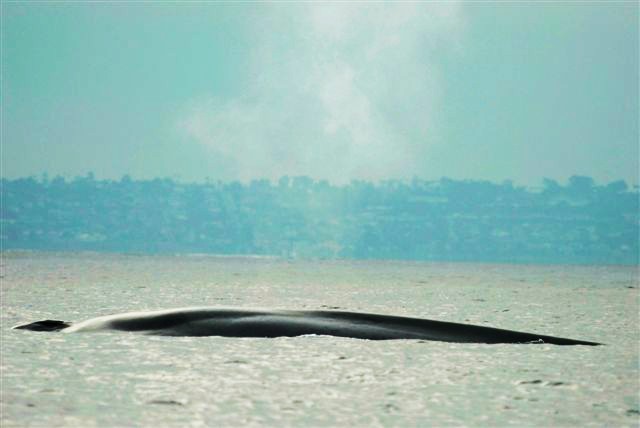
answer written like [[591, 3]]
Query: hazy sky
[[339, 91]]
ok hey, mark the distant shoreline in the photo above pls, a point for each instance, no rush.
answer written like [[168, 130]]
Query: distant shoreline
[[298, 218], [89, 253]]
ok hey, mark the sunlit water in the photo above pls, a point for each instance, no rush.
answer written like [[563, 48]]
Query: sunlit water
[[123, 379]]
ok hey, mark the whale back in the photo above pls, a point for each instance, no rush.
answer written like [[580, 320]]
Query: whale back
[[243, 322]]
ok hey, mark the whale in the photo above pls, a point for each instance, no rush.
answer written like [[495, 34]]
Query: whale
[[263, 323]]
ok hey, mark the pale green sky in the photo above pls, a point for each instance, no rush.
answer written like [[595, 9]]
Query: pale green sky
[[495, 91]]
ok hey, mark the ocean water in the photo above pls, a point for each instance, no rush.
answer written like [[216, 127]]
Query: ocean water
[[123, 379]]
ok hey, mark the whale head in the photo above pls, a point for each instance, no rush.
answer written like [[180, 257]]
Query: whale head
[[45, 325]]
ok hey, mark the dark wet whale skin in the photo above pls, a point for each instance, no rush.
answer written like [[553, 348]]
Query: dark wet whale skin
[[278, 323]]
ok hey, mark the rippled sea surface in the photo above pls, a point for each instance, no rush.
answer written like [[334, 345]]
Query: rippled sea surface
[[124, 379]]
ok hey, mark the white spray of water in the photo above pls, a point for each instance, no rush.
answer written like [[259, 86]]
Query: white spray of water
[[340, 91]]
